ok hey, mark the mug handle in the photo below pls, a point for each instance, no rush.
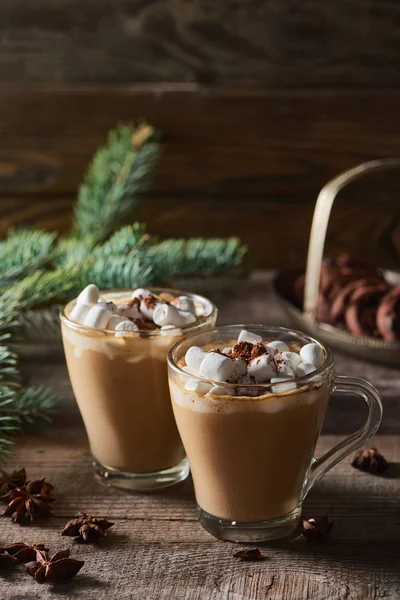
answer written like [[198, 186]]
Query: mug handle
[[368, 392]]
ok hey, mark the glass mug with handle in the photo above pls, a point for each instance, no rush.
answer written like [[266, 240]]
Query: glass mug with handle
[[251, 445]]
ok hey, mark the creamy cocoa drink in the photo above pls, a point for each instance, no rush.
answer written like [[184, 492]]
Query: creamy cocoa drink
[[116, 347], [249, 410]]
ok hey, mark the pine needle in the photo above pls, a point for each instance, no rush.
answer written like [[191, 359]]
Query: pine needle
[[22, 251], [117, 174]]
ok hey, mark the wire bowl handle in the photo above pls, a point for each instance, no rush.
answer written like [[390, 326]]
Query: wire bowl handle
[[319, 228]]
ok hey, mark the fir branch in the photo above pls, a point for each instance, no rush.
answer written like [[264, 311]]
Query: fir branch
[[8, 362], [200, 257], [117, 174], [121, 272], [125, 240], [34, 403], [22, 251]]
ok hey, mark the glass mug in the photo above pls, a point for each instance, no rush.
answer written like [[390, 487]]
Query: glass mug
[[121, 387], [252, 453]]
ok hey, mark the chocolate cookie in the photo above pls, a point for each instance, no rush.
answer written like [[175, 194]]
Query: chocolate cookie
[[360, 316], [388, 316]]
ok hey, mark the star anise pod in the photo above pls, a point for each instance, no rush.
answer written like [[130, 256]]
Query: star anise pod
[[59, 567], [251, 554], [6, 560], [23, 552], [9, 482], [370, 460], [32, 499], [315, 530], [87, 528]]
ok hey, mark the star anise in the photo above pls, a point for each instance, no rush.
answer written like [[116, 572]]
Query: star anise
[[315, 530], [87, 528], [6, 560], [9, 482], [32, 499], [57, 568], [370, 460], [23, 552], [252, 554]]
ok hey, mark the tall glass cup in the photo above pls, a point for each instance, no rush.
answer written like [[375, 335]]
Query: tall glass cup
[[251, 451], [121, 387]]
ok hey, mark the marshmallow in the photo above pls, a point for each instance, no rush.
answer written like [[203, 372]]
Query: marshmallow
[[184, 303], [240, 369], [284, 365], [292, 357], [200, 387], [166, 314], [247, 336], [124, 327], [79, 312], [277, 346], [305, 369], [129, 310], [247, 391], [262, 368], [312, 353], [277, 389], [147, 307], [194, 357], [116, 320], [98, 317], [141, 293], [219, 390], [89, 295], [217, 367], [227, 350]]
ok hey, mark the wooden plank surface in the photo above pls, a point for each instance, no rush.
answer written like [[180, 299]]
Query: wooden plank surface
[[252, 42], [157, 549], [234, 162]]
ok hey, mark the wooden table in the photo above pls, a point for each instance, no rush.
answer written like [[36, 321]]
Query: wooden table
[[157, 550]]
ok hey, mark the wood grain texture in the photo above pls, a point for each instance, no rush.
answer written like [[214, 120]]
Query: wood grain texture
[[312, 43], [234, 162], [157, 550]]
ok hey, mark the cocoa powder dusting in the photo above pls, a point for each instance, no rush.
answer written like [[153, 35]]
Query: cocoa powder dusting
[[242, 350], [258, 350], [150, 302]]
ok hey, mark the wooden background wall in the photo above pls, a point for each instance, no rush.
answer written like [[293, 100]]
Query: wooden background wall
[[260, 102]]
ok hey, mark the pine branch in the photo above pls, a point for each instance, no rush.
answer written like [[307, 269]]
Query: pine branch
[[117, 174], [200, 257], [125, 240], [34, 403], [22, 251]]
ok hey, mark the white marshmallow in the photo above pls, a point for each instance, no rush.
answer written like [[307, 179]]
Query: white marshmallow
[[194, 357], [200, 387], [292, 357], [262, 368], [147, 310], [217, 367], [124, 327], [110, 306], [79, 312], [116, 320], [184, 303], [240, 369], [247, 336], [226, 350], [284, 365], [98, 317], [128, 310], [140, 292], [219, 390], [89, 295], [277, 389], [312, 353], [247, 391], [277, 346], [305, 369], [166, 314]]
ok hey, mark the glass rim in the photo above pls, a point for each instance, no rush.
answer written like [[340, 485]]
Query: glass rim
[[328, 362], [192, 328]]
